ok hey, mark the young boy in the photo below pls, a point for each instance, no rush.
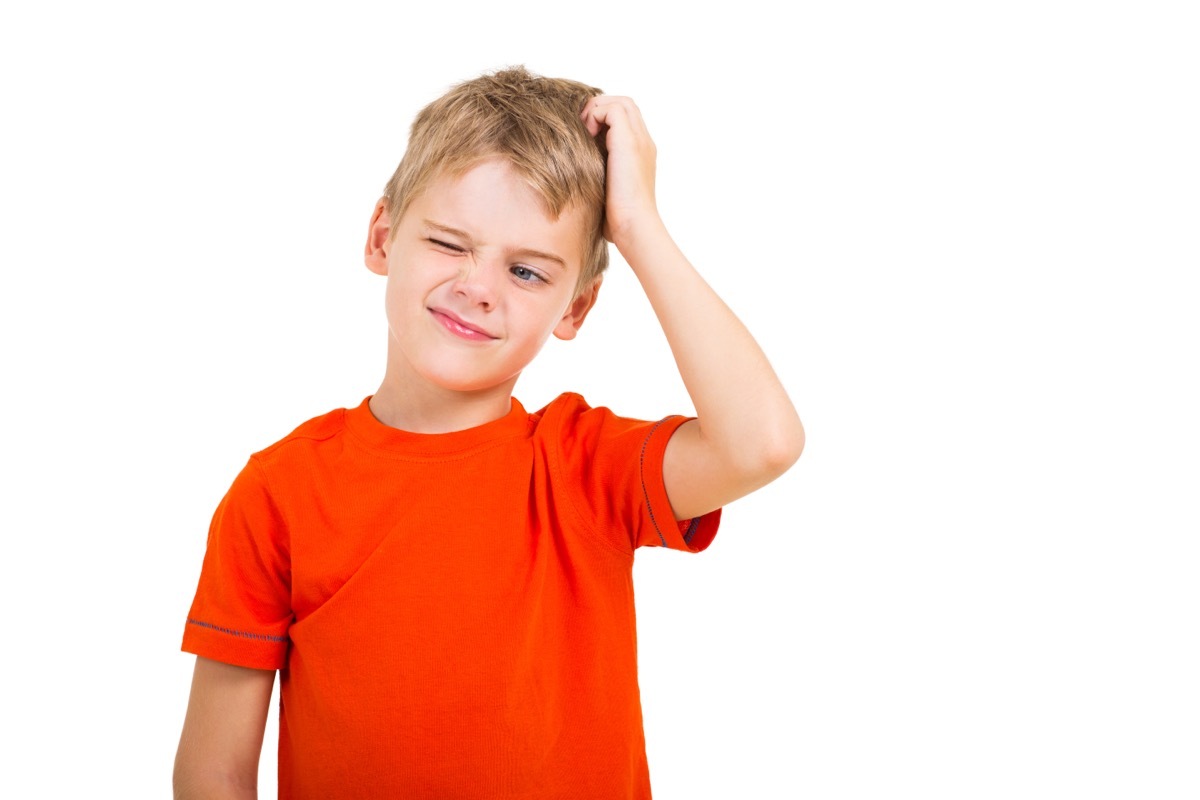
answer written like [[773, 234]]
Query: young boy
[[442, 578]]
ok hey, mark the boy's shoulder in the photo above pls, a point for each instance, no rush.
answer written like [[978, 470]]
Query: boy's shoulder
[[316, 429], [566, 404]]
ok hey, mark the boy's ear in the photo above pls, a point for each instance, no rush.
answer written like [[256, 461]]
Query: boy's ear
[[378, 234], [568, 326]]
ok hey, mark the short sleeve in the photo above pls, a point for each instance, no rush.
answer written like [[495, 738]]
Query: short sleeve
[[242, 608], [613, 468]]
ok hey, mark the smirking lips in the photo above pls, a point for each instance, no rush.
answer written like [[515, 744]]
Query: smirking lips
[[460, 327]]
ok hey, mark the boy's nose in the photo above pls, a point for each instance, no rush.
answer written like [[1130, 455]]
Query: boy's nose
[[474, 284]]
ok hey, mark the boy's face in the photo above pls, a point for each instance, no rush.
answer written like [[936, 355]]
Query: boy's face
[[479, 277]]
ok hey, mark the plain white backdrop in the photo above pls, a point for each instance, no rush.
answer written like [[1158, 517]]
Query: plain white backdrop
[[965, 234]]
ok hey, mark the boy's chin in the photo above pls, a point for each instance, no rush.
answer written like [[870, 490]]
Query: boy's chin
[[473, 385]]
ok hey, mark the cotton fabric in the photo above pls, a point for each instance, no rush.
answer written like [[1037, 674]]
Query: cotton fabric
[[452, 614]]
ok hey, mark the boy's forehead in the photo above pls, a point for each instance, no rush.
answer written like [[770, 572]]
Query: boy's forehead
[[487, 174]]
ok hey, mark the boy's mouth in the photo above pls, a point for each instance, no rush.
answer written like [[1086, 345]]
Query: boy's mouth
[[459, 326]]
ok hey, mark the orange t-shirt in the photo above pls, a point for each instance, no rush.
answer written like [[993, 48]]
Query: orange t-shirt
[[452, 614]]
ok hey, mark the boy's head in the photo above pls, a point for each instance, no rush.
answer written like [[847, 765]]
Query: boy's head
[[529, 121]]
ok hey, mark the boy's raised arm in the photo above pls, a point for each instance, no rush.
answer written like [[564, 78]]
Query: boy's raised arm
[[747, 432]]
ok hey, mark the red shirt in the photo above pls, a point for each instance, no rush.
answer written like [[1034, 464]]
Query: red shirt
[[452, 614]]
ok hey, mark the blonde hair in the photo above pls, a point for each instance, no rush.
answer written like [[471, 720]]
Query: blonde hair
[[533, 123]]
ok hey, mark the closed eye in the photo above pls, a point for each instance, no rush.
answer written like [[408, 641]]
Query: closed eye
[[447, 245]]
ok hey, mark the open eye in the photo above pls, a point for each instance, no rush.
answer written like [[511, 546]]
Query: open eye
[[526, 275]]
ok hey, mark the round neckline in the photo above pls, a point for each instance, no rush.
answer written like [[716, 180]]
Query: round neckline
[[363, 424]]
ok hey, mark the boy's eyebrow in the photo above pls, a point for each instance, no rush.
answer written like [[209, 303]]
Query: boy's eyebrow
[[524, 251]]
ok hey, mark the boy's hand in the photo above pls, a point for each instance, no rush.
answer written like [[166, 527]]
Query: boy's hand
[[629, 192]]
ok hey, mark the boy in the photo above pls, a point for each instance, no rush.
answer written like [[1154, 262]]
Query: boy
[[443, 579]]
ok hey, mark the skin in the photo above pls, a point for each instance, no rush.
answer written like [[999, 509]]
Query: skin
[[747, 431], [746, 434], [466, 246], [222, 732]]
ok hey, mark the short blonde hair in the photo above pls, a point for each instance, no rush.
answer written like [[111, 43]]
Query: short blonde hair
[[533, 123]]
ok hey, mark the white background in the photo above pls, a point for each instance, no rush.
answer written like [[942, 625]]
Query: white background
[[965, 234]]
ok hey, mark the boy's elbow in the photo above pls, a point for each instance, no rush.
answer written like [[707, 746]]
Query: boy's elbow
[[784, 450], [775, 454]]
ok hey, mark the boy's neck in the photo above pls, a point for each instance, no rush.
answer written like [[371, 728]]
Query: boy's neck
[[435, 410]]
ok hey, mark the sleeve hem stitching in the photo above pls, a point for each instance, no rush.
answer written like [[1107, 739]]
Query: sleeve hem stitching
[[263, 637], [642, 478]]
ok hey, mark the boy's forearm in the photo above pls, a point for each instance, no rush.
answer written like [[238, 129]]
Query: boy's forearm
[[743, 410]]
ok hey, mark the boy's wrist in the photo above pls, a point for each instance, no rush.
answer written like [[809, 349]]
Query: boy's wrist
[[645, 232]]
